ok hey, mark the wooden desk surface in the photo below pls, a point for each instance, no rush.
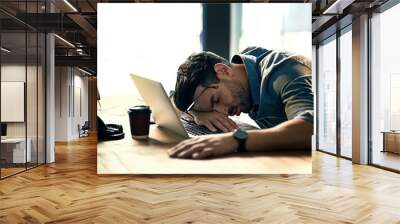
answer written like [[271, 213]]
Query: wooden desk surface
[[14, 140], [129, 156]]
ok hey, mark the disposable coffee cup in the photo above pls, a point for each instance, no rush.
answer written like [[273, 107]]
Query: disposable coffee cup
[[139, 120]]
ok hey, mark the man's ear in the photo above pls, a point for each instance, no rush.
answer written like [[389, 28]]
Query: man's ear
[[223, 71]]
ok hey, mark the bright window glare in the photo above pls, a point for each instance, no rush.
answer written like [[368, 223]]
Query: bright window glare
[[277, 26], [385, 82], [145, 39], [327, 96], [346, 93]]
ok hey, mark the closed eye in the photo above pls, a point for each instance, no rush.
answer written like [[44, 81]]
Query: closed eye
[[214, 101]]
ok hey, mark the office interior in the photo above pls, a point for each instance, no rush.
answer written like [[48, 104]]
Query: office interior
[[355, 144], [356, 82], [45, 84]]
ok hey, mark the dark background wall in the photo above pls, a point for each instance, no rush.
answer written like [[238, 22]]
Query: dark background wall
[[216, 29]]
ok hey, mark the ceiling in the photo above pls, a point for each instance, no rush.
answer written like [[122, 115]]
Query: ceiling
[[331, 15], [75, 22]]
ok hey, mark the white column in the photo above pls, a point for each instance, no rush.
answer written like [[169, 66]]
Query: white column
[[360, 90], [50, 100], [50, 92], [314, 89]]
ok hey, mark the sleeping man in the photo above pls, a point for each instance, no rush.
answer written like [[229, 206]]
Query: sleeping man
[[272, 87]]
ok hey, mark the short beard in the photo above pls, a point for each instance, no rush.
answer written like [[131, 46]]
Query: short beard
[[239, 93]]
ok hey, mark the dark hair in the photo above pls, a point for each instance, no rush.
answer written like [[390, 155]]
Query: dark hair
[[198, 69]]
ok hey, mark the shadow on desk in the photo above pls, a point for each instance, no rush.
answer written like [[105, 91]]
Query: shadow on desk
[[129, 156], [272, 153]]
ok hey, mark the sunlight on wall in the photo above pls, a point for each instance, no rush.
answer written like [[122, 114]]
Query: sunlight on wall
[[277, 26], [146, 39], [154, 39]]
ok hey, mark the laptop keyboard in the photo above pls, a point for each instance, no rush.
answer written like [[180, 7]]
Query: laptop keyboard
[[195, 129]]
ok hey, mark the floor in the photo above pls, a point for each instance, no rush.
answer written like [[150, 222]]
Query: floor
[[8, 171], [387, 159], [70, 191]]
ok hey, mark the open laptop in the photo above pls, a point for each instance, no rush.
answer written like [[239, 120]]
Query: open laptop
[[164, 113]]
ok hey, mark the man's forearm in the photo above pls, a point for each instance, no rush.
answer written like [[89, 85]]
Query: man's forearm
[[292, 134]]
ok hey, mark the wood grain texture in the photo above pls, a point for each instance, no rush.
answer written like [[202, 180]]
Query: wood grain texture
[[70, 191], [128, 156]]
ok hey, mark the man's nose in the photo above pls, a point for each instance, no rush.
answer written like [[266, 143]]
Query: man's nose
[[221, 108]]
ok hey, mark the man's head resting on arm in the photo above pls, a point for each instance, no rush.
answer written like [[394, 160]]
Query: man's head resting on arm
[[213, 84]]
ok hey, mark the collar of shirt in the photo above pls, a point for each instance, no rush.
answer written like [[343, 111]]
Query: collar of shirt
[[253, 75]]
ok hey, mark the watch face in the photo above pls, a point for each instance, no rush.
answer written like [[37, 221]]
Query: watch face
[[240, 134]]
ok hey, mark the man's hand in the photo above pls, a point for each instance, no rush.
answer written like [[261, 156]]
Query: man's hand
[[204, 146], [214, 120]]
